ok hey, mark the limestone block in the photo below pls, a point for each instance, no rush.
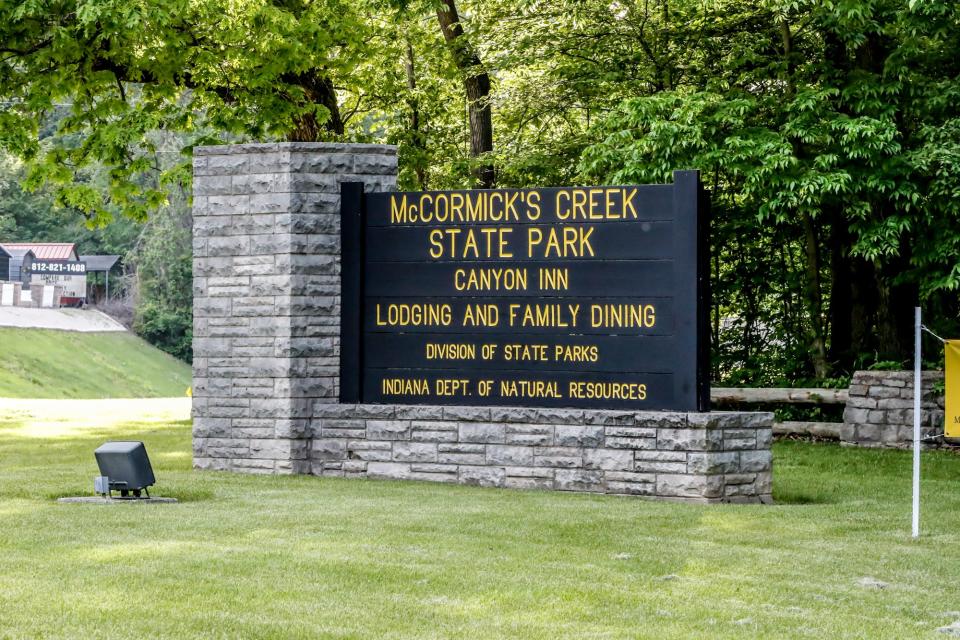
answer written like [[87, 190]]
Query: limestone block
[[578, 480], [424, 435], [714, 462], [467, 413], [630, 432], [515, 482], [482, 432], [530, 472], [529, 434], [423, 413], [434, 476], [388, 429], [756, 461], [560, 416], [483, 476], [632, 488], [655, 466], [560, 457], [292, 428], [504, 455], [370, 453], [764, 438], [608, 459], [895, 403], [388, 470], [414, 452], [662, 419], [702, 439], [277, 449], [470, 454], [630, 443], [610, 418], [515, 415], [689, 486], [661, 456], [883, 391], [738, 444], [855, 415], [578, 435], [328, 449]]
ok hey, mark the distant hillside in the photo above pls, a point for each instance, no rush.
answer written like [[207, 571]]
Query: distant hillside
[[42, 363]]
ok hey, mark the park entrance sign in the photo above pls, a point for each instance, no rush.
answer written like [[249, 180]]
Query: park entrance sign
[[588, 297], [545, 338]]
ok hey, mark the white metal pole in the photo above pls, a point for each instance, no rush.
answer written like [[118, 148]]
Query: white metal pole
[[917, 392]]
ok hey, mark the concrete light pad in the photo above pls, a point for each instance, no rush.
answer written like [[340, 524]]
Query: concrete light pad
[[102, 500]]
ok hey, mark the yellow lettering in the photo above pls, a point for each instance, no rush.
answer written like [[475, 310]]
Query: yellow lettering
[[398, 214], [628, 203], [534, 237], [456, 206], [496, 216], [595, 204], [476, 209], [436, 244], [533, 205], [562, 213], [425, 216], [442, 214], [579, 204]]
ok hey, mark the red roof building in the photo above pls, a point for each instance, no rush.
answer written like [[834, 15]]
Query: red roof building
[[47, 250]]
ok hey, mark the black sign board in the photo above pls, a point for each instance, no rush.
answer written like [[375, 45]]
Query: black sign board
[[553, 297], [59, 267]]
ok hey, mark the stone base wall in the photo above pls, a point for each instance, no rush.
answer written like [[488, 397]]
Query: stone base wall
[[709, 457], [879, 411]]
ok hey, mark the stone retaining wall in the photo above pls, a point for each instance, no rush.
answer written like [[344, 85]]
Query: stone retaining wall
[[267, 353], [879, 411]]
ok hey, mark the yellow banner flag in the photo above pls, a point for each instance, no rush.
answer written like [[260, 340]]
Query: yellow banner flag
[[951, 419]]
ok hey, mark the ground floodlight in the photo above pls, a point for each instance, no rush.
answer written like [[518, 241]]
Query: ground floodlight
[[126, 466]]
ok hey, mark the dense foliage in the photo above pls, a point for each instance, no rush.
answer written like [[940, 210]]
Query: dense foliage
[[827, 131]]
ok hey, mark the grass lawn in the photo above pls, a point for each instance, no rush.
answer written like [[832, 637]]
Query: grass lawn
[[43, 363], [302, 557]]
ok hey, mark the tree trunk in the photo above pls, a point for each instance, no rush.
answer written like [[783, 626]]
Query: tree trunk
[[841, 294], [319, 89], [417, 138], [895, 311], [818, 351], [863, 307], [476, 82]]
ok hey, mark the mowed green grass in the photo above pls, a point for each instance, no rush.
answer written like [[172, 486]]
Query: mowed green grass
[[303, 557], [43, 363]]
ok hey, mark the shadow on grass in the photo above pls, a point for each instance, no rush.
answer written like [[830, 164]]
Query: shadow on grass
[[794, 496]]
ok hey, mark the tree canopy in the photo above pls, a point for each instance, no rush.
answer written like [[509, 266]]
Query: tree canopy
[[827, 131]]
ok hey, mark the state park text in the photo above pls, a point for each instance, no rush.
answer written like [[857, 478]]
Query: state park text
[[562, 296]]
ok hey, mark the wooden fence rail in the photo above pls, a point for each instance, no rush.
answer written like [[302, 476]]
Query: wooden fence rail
[[730, 395], [727, 395]]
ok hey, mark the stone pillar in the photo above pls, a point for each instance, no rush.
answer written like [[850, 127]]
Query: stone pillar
[[266, 267]]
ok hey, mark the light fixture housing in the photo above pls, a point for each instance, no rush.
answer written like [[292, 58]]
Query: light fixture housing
[[127, 466]]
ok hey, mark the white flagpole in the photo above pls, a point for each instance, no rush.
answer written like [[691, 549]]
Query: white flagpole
[[917, 391]]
